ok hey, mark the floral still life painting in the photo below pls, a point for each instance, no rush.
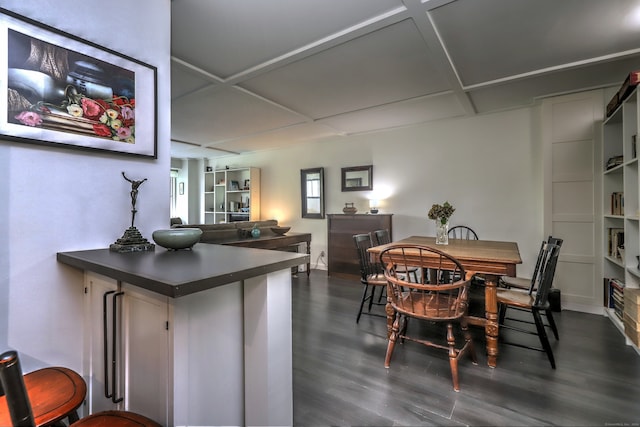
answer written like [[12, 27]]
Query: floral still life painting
[[62, 89]]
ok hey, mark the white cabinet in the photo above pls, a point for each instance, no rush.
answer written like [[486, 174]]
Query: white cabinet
[[127, 359], [621, 209], [231, 195]]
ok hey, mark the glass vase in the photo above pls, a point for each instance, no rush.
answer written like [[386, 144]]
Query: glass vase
[[442, 232]]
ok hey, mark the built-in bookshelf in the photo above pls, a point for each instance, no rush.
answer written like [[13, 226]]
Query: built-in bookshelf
[[231, 195], [621, 212]]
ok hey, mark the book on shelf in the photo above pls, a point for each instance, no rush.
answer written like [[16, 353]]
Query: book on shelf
[[616, 298], [614, 161], [615, 241], [617, 203]]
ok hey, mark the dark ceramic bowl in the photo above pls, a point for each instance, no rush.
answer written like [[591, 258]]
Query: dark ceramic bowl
[[177, 238]]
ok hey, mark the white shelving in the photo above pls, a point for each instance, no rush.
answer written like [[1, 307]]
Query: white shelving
[[231, 195], [619, 135]]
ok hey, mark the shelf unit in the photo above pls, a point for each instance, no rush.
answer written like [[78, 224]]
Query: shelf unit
[[619, 135], [231, 195]]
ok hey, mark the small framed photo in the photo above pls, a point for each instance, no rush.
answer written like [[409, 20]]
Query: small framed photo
[[247, 184], [235, 186]]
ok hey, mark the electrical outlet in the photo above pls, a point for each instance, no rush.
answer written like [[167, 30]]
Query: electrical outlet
[[321, 254]]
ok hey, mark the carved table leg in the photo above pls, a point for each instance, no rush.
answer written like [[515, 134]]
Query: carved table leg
[[491, 314]]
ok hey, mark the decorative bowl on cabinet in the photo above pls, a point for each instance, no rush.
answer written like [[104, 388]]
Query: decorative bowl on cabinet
[[280, 230], [177, 238]]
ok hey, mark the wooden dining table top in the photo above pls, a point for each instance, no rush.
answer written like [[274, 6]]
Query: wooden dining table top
[[480, 256]]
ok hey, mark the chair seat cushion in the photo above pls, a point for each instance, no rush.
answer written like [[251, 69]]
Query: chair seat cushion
[[377, 279], [515, 282], [515, 297]]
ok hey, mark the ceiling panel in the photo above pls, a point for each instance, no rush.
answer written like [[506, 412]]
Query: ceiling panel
[[225, 113], [507, 38], [385, 66], [255, 75], [185, 81], [399, 114], [244, 33], [523, 92], [280, 138]]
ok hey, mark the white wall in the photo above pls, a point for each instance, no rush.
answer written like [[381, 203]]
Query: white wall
[[488, 167], [58, 199]]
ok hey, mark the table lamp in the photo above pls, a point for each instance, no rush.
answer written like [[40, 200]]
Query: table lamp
[[373, 206]]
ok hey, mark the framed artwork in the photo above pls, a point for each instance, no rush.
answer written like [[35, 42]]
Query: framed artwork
[[58, 89], [235, 186], [357, 178]]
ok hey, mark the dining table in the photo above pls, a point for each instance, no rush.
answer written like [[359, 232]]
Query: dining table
[[488, 258]]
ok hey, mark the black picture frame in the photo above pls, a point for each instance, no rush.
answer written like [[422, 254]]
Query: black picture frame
[[59, 89], [357, 178]]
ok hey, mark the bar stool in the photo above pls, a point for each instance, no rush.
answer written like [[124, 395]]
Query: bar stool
[[30, 400], [55, 393]]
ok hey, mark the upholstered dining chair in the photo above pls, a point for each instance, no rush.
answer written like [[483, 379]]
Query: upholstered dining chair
[[442, 303], [25, 408], [383, 237], [371, 275], [534, 303]]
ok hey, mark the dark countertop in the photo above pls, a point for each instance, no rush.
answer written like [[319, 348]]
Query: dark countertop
[[179, 273]]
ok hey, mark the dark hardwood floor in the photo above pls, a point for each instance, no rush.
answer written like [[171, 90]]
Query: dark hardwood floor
[[339, 378]]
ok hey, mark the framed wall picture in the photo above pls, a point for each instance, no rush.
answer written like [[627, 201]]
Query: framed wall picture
[[58, 89], [357, 178]]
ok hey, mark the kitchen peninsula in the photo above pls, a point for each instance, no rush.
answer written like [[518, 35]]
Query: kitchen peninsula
[[197, 337]]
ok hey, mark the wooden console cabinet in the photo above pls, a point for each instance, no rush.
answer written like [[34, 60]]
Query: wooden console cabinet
[[342, 255]]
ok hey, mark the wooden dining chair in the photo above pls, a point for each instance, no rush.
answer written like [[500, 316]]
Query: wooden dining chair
[[531, 284], [466, 233], [21, 404], [371, 275], [383, 237], [462, 232], [534, 303], [444, 303]]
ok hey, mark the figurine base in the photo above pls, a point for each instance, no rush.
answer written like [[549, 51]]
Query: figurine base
[[132, 241]]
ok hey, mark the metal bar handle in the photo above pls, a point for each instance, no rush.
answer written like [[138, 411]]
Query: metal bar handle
[[114, 399], [105, 342]]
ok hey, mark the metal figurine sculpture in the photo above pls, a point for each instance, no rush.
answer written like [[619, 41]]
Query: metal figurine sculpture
[[134, 195], [132, 240]]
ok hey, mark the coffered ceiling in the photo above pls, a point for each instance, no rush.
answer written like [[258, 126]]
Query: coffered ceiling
[[251, 75]]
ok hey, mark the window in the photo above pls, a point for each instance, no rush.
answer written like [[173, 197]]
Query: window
[[173, 193]]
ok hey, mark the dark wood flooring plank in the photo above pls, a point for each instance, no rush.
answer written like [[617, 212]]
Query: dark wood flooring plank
[[339, 378]]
